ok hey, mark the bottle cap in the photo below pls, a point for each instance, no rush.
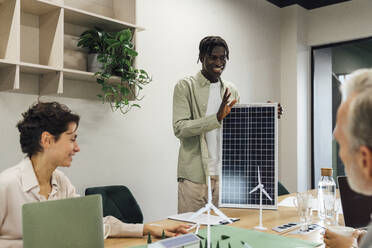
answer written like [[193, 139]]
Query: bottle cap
[[326, 172]]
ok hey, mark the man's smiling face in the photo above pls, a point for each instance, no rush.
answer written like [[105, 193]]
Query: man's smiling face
[[214, 63]]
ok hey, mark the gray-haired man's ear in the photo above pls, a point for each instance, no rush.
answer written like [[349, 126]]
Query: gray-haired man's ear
[[365, 161]]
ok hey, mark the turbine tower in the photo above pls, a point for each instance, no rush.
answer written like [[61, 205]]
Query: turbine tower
[[207, 208], [260, 186]]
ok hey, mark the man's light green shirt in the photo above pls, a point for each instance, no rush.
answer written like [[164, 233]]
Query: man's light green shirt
[[190, 99]]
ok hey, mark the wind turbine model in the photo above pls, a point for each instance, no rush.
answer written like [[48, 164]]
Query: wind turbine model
[[261, 187], [207, 208]]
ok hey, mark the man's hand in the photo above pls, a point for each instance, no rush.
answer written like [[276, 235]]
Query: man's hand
[[225, 108], [280, 109], [334, 240], [170, 231]]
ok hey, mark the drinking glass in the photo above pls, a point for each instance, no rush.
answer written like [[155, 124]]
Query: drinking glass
[[331, 210], [304, 203]]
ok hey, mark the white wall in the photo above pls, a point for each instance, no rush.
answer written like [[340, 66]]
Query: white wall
[[139, 150], [340, 22], [288, 85]]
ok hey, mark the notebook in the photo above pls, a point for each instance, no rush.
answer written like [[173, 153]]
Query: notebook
[[357, 208], [68, 223]]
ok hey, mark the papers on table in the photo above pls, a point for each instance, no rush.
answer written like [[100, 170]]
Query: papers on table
[[201, 219], [287, 202]]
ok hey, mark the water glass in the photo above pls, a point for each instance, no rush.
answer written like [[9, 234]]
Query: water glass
[[331, 212], [304, 202]]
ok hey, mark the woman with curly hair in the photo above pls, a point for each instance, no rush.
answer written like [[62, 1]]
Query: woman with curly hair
[[48, 135]]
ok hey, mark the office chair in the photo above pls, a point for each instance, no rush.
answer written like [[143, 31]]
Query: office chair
[[119, 202], [281, 189]]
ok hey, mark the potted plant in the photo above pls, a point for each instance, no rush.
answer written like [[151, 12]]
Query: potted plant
[[94, 41], [119, 80]]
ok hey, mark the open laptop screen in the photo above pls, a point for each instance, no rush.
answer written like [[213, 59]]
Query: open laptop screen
[[357, 208]]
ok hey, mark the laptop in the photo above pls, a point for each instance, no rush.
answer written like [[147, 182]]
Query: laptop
[[68, 223], [357, 208]]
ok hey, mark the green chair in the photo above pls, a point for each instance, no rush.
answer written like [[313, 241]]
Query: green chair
[[119, 202], [281, 189]]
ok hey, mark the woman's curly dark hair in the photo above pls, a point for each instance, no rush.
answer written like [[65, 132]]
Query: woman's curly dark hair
[[52, 117]]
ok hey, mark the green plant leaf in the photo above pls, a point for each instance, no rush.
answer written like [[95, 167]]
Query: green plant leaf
[[126, 33], [136, 105], [132, 52], [121, 37], [110, 41], [114, 45], [100, 81], [124, 91]]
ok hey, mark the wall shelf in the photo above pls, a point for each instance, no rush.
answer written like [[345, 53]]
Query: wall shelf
[[79, 75], [39, 38], [37, 69], [7, 63], [84, 76], [38, 7], [84, 18]]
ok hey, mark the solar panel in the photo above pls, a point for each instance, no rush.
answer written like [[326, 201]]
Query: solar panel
[[249, 140]]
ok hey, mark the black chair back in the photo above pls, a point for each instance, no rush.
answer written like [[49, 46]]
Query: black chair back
[[119, 202]]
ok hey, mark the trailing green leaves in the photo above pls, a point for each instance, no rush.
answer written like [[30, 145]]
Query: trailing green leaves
[[120, 82]]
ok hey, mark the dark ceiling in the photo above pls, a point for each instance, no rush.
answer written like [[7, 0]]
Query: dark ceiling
[[307, 4]]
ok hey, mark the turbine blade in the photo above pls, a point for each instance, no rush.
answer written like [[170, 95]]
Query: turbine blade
[[222, 215], [256, 188], [267, 195], [259, 176], [199, 212]]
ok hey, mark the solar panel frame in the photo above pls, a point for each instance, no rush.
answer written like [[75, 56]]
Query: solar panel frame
[[252, 200]]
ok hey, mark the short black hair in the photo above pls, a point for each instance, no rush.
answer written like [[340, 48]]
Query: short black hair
[[52, 117], [208, 43]]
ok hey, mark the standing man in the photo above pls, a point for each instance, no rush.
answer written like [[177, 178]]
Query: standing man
[[353, 132], [200, 103]]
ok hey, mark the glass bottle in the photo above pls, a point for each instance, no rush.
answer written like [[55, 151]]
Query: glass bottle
[[326, 196]]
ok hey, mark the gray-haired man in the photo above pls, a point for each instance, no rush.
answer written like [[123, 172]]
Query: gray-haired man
[[354, 134]]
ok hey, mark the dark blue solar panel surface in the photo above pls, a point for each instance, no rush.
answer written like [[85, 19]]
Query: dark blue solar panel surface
[[248, 141]]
